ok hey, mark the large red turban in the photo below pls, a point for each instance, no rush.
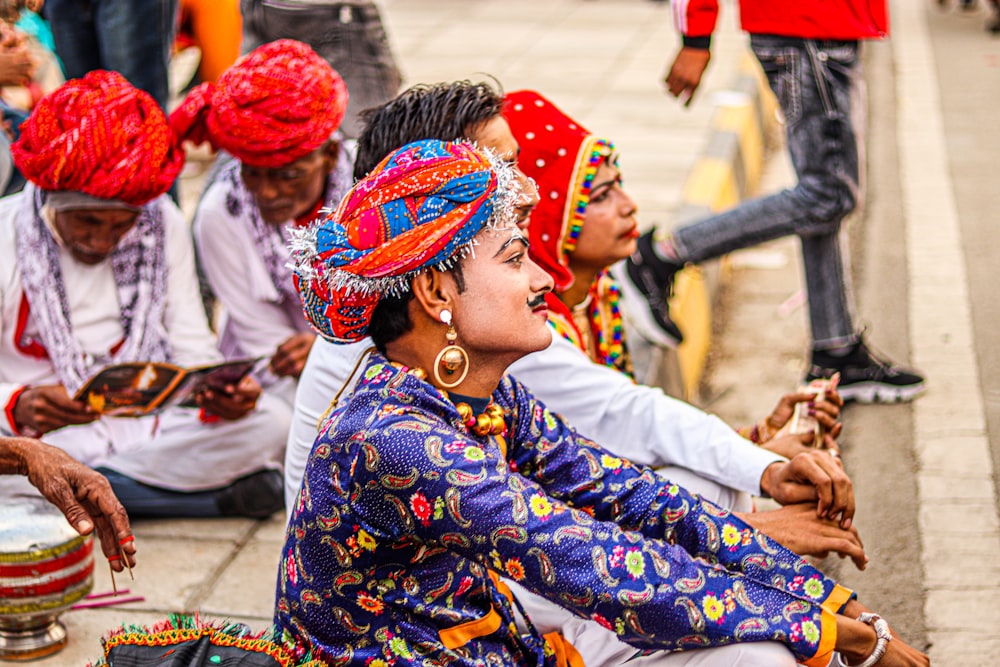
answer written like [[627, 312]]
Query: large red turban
[[102, 136], [274, 106]]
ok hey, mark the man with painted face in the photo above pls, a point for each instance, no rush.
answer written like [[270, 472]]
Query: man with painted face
[[96, 267], [277, 111]]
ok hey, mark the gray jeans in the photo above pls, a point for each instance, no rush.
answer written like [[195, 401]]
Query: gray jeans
[[348, 35], [813, 81]]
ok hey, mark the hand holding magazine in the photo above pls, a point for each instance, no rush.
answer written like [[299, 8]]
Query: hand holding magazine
[[142, 388]]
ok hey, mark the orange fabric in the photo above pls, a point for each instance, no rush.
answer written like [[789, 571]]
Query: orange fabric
[[216, 27], [827, 641], [462, 634], [501, 586], [566, 654], [837, 599]]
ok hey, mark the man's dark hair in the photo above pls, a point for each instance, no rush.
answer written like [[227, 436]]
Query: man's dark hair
[[444, 111]]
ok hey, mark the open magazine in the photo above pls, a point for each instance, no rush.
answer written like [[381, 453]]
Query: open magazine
[[142, 388]]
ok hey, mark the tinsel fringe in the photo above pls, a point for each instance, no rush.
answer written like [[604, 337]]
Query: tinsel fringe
[[304, 255]]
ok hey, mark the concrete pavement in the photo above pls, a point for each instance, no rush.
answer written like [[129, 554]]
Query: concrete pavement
[[924, 477]]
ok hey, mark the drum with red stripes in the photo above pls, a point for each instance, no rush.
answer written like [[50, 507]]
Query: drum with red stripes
[[45, 567]]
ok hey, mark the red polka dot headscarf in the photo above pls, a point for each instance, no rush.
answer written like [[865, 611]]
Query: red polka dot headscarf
[[562, 157], [275, 105], [102, 136], [421, 207]]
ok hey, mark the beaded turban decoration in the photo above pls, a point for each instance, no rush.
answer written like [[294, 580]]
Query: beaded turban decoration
[[421, 207], [101, 136], [275, 105], [562, 157]]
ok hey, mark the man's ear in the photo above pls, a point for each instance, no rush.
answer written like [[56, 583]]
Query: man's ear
[[433, 292], [331, 153]]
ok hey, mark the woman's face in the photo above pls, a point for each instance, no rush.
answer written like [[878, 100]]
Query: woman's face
[[609, 227], [502, 309]]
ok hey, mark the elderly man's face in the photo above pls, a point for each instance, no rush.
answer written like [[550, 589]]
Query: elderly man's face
[[285, 193], [90, 235]]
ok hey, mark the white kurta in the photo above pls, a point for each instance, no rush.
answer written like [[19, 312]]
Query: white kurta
[[637, 422], [176, 450], [256, 318]]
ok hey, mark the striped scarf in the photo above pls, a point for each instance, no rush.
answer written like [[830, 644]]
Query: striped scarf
[[140, 269], [271, 241]]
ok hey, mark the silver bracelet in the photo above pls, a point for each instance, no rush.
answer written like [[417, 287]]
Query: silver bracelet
[[882, 638]]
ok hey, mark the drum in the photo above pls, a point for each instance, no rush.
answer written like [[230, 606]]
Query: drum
[[45, 567]]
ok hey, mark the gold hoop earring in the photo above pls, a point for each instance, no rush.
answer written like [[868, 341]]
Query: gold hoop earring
[[452, 358]]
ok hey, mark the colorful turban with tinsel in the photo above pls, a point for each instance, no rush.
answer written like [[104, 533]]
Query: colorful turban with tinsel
[[277, 104], [562, 156], [101, 136], [419, 208]]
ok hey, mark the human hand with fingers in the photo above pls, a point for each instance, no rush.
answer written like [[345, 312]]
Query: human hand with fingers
[[45, 408], [232, 402], [812, 476], [803, 530], [684, 76], [791, 445], [83, 495], [825, 408], [290, 357]]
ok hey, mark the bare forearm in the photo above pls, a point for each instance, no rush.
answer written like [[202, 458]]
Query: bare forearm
[[13, 456]]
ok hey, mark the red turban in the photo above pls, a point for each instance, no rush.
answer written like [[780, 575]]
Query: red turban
[[101, 136], [277, 104], [562, 156]]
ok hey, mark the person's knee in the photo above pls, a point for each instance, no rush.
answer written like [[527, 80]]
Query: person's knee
[[828, 200], [270, 424]]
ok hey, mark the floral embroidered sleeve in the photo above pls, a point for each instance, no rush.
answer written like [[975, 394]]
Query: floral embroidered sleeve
[[585, 529], [660, 510]]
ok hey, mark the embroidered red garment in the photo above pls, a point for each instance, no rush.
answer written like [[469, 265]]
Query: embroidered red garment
[[101, 136], [562, 156], [274, 106]]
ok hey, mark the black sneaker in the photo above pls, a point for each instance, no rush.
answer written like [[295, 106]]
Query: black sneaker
[[865, 377], [257, 496], [647, 281]]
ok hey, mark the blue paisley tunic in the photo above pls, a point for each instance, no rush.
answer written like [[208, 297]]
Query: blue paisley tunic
[[404, 519]]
